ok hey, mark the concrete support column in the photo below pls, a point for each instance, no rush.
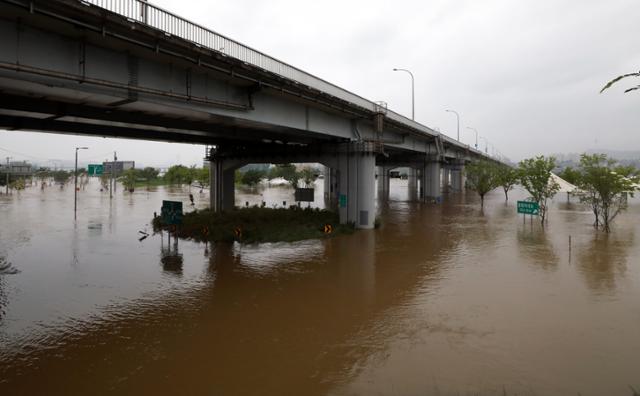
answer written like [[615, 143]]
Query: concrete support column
[[455, 186], [446, 177], [221, 185], [382, 173], [356, 188], [430, 181], [457, 180], [330, 188], [413, 183]]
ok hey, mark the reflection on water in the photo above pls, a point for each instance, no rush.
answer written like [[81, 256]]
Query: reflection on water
[[442, 299], [170, 257], [604, 260], [535, 246]]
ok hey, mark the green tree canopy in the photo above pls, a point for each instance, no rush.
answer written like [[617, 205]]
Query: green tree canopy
[[308, 176], [178, 174], [287, 172], [252, 177], [481, 177], [571, 175], [148, 173], [129, 178], [535, 177], [506, 177], [605, 186], [61, 176], [202, 177]]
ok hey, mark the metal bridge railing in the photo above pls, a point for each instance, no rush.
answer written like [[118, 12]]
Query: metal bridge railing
[[142, 12]]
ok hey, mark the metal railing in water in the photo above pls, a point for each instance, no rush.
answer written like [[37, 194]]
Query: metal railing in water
[[158, 18]]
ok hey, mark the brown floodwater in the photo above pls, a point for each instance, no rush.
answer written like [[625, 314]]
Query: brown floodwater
[[441, 300]]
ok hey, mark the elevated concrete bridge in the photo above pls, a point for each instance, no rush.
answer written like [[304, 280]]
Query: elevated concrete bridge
[[126, 68]]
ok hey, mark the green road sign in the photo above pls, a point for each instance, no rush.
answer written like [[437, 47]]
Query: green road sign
[[528, 207], [171, 212], [95, 169]]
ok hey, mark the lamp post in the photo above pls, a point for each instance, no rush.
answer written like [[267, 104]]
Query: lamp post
[[458, 117], [486, 144], [75, 182], [476, 131], [8, 168], [413, 102]]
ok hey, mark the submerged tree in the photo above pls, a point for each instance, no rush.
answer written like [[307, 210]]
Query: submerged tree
[[605, 187], [481, 177], [308, 176], [252, 177], [570, 175], [287, 172], [129, 179], [535, 177], [61, 176], [203, 177], [506, 177]]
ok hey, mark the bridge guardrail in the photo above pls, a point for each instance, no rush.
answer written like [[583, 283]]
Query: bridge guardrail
[[143, 12]]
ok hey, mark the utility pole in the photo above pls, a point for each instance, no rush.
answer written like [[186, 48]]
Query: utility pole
[[8, 168], [115, 158], [112, 169], [75, 183]]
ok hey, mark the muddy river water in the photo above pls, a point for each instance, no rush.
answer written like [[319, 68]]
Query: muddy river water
[[442, 299]]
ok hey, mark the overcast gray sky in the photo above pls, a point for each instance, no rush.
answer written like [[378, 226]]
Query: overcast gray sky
[[525, 74]]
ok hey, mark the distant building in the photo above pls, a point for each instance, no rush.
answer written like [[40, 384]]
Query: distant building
[[19, 169], [118, 166]]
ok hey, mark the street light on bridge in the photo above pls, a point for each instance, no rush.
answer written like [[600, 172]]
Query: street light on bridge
[[476, 131], [486, 144], [75, 182], [413, 103], [458, 117]]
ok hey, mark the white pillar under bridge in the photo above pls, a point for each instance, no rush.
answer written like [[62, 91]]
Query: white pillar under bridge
[[430, 182], [412, 183], [458, 180], [382, 175], [356, 184]]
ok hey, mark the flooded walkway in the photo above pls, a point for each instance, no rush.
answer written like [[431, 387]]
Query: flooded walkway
[[443, 299]]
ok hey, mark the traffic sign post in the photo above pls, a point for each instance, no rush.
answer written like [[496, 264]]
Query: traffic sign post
[[171, 212], [95, 169], [528, 208]]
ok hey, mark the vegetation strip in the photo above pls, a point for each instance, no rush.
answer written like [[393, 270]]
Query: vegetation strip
[[253, 225]]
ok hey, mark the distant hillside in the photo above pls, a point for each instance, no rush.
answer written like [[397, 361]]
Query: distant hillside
[[624, 157]]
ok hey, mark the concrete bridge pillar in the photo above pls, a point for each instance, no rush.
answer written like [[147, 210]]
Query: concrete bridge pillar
[[446, 178], [221, 186], [430, 181], [383, 181], [356, 188], [457, 180], [330, 188], [413, 183], [222, 181]]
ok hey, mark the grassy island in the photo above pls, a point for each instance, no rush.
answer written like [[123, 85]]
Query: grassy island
[[251, 225]]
